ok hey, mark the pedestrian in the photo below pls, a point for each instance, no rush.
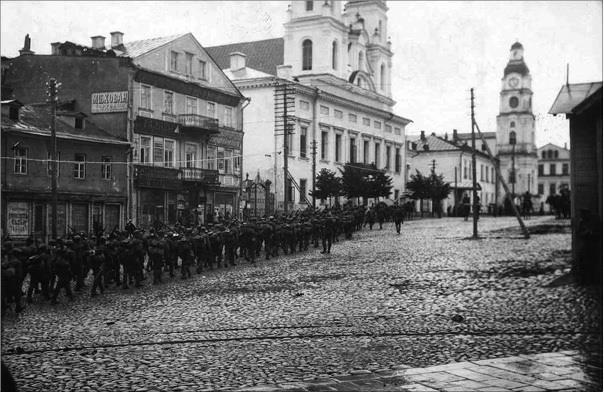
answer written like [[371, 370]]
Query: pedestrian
[[398, 215], [466, 206]]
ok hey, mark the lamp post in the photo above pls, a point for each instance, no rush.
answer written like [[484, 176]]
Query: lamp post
[[513, 178]]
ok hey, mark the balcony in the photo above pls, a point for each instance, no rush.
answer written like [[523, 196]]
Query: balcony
[[198, 122], [198, 175], [156, 177]]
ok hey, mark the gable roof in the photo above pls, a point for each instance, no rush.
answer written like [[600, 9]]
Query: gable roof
[[434, 143], [263, 55], [571, 96], [550, 146], [138, 48], [36, 120]]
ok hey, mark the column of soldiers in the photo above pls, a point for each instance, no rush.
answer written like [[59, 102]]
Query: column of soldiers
[[124, 258]]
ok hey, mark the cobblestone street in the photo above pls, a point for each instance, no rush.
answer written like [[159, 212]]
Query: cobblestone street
[[429, 296]]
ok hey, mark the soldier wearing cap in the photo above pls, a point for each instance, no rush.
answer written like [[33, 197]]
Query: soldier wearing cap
[[62, 269], [11, 276]]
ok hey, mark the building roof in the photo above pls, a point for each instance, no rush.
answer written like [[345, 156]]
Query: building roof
[[263, 55], [551, 146], [36, 120], [138, 48], [572, 95], [468, 135], [434, 143], [516, 66], [245, 73]]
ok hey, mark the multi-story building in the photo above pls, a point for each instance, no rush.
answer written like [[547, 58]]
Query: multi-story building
[[452, 158], [553, 171], [337, 66], [169, 99], [91, 178]]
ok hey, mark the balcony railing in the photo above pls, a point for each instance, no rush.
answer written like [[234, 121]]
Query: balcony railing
[[208, 176], [156, 177], [198, 121]]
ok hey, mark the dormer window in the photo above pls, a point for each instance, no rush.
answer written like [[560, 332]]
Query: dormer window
[[79, 123], [309, 6], [173, 61]]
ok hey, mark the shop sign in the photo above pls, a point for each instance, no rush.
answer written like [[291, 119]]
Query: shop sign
[[230, 139], [111, 101], [18, 218]]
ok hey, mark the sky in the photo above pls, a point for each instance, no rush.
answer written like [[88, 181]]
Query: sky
[[441, 48]]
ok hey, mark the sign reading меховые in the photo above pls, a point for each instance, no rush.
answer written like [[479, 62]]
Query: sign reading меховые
[[110, 101]]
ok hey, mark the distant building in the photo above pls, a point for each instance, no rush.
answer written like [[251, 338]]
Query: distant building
[[553, 172], [452, 158], [167, 97], [582, 105], [91, 185], [337, 65]]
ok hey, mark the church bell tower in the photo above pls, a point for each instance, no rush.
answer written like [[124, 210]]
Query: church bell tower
[[516, 147]]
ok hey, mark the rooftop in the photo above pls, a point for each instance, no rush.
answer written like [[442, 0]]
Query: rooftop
[[263, 55], [138, 48], [572, 95]]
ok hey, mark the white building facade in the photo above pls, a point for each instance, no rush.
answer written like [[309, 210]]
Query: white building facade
[[338, 66], [553, 170]]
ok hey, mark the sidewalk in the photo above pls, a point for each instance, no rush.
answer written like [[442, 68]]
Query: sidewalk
[[555, 371]]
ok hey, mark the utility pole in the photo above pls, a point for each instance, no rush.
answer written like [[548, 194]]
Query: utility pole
[[314, 171], [52, 92], [285, 151], [474, 192]]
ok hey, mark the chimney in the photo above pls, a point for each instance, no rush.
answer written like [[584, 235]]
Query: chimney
[[98, 42], [26, 50], [454, 134], [117, 39], [54, 46], [237, 61], [434, 134], [284, 71], [423, 135]]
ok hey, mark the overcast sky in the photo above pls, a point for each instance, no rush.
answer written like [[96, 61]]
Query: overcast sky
[[441, 49]]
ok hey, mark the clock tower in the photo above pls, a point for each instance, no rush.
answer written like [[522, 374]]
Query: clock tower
[[516, 148]]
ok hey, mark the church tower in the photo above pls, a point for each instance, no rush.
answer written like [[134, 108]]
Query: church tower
[[516, 147]]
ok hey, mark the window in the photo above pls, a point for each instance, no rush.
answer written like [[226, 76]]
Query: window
[[21, 160], [397, 131], [555, 153], [145, 149], [334, 55], [552, 188], [383, 76], [465, 169], [146, 97], [106, 168], [309, 6], [338, 147], [324, 110], [512, 124], [169, 102], [228, 161], [324, 145], [202, 70], [212, 110], [302, 190], [512, 137], [361, 57], [79, 123], [220, 159], [540, 169], [352, 118], [158, 151], [365, 152], [169, 153], [388, 148], [540, 188], [377, 155], [191, 106], [388, 128], [338, 114], [173, 61], [543, 154], [565, 169], [304, 105], [49, 164], [303, 132], [79, 166], [397, 160], [552, 169], [377, 125], [366, 121], [493, 175], [307, 53], [486, 174], [290, 143], [481, 172], [190, 155], [211, 161], [353, 150], [189, 63], [228, 116], [236, 161]]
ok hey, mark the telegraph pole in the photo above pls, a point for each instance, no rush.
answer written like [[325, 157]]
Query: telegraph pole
[[313, 145], [474, 192], [52, 92], [285, 150]]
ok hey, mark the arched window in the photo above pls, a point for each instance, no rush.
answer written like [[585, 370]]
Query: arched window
[[334, 55], [512, 124], [383, 77], [307, 55], [512, 137], [361, 56]]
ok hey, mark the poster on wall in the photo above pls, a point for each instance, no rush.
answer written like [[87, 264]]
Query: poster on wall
[[18, 219], [111, 101]]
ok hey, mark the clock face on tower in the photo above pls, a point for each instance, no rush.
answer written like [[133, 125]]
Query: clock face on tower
[[513, 102], [513, 82]]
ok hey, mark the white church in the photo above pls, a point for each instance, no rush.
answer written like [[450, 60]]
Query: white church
[[337, 60]]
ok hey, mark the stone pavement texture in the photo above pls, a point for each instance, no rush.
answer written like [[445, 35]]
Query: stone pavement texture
[[426, 297]]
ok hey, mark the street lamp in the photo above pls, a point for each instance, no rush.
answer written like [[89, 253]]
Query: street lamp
[[513, 177]]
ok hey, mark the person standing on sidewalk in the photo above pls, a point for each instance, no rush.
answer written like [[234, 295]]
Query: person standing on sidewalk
[[398, 215], [466, 206]]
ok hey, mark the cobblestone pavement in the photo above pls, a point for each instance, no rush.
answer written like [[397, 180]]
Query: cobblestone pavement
[[426, 297]]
